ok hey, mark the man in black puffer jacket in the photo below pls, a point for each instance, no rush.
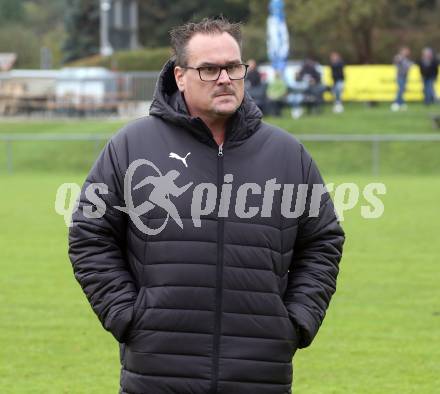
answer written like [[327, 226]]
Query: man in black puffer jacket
[[206, 252]]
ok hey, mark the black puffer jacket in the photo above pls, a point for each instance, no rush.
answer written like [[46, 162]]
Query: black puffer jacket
[[219, 308]]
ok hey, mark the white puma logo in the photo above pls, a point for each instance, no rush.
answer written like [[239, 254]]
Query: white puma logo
[[182, 159]]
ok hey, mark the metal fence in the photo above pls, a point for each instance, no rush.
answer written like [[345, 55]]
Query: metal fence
[[375, 140]]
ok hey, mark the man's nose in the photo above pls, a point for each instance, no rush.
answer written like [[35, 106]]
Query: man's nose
[[223, 77]]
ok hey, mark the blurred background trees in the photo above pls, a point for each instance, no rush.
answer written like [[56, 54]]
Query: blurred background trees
[[363, 31], [81, 24], [28, 26]]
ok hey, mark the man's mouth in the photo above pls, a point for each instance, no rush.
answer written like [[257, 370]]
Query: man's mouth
[[224, 94]]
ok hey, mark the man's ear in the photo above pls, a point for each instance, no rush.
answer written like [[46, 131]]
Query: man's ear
[[178, 75]]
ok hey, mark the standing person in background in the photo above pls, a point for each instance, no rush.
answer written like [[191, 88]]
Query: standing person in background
[[276, 94], [253, 77], [255, 87], [429, 70], [313, 97], [309, 71], [337, 67], [403, 64]]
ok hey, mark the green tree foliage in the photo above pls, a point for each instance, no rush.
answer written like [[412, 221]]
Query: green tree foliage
[[82, 29], [26, 26], [45, 18], [24, 44], [150, 59], [11, 11], [363, 31], [157, 17], [343, 21]]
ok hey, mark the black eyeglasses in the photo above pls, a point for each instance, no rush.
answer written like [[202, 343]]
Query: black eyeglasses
[[212, 73]]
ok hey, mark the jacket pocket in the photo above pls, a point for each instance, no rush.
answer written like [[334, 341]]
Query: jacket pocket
[[293, 334]]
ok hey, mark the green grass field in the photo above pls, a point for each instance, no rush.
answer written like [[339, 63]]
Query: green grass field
[[381, 334], [382, 331], [357, 119], [334, 157]]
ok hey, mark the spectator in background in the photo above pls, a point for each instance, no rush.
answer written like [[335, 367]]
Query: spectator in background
[[255, 87], [309, 72], [429, 70], [313, 94], [337, 67], [253, 77], [276, 94], [403, 64], [295, 96]]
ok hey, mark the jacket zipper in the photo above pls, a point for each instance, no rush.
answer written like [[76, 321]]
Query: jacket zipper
[[219, 276]]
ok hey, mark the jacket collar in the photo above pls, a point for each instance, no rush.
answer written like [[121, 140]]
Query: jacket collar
[[169, 105]]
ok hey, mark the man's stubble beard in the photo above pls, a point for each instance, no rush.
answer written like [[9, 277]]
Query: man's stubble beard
[[226, 113]]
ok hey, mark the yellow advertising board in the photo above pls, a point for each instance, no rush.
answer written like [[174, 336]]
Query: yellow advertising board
[[377, 83]]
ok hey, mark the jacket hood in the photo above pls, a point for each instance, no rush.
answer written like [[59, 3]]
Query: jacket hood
[[169, 105]]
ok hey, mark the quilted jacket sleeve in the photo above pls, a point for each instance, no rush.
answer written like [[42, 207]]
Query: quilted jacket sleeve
[[315, 262], [96, 249]]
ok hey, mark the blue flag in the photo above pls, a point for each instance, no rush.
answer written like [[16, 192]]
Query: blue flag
[[277, 35]]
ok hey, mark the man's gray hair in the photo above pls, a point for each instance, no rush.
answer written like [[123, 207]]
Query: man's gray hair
[[180, 35]]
